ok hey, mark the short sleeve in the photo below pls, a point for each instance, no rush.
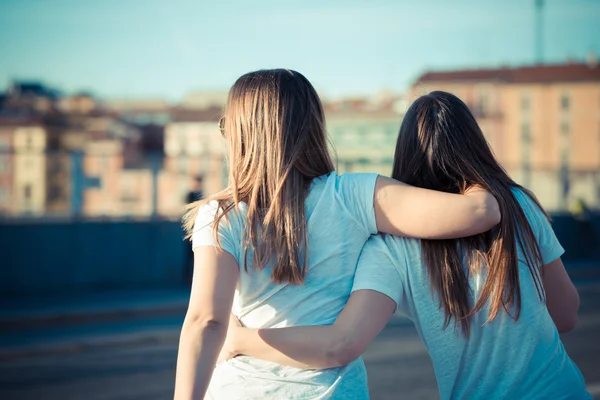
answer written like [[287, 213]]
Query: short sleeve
[[357, 191], [550, 247], [204, 235], [377, 270]]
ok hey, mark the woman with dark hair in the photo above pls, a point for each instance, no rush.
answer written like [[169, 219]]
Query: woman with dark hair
[[500, 298], [281, 243]]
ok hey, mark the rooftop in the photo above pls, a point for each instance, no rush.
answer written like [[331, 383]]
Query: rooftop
[[179, 114], [573, 72]]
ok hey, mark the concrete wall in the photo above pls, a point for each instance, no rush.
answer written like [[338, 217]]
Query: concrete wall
[[49, 257], [581, 239], [46, 257]]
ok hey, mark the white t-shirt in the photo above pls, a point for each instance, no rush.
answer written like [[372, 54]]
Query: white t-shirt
[[340, 219], [501, 360]]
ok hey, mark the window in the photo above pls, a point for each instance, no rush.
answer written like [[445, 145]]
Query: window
[[3, 196], [526, 153], [564, 142], [55, 193], [565, 102], [363, 134], [525, 132], [525, 103], [27, 192], [526, 141], [484, 100], [3, 163], [55, 166], [3, 144], [564, 156]]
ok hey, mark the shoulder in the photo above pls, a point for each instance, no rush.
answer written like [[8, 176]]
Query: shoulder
[[392, 250], [348, 185], [229, 227], [355, 193], [355, 179], [532, 210], [377, 245], [380, 269], [405, 251], [208, 211]]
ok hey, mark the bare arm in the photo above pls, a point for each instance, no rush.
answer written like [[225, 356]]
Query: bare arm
[[562, 298], [317, 347], [205, 325], [405, 210]]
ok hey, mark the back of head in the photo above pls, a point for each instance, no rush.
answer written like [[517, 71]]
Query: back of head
[[274, 126], [440, 146]]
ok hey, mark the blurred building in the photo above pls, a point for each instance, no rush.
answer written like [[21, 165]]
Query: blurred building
[[193, 147], [71, 158], [204, 100], [139, 111], [116, 177], [22, 167], [6, 168], [30, 96], [542, 121], [80, 103], [364, 131], [117, 189], [66, 136]]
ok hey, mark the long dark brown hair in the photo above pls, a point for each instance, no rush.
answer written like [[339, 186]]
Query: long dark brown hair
[[275, 131], [440, 146]]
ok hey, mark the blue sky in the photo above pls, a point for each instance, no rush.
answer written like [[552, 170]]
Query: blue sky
[[127, 48]]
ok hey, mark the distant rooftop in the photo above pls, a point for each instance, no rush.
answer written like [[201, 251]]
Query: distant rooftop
[[382, 106], [574, 72], [180, 114], [204, 99], [32, 88], [136, 105]]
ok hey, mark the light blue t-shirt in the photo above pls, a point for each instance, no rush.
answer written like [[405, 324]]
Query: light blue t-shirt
[[501, 360], [340, 219]]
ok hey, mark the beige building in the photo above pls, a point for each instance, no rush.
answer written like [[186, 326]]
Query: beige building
[[543, 123], [6, 168], [202, 100], [103, 160], [29, 170], [193, 147], [364, 132]]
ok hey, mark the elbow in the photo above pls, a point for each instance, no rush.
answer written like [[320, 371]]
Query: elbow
[[491, 211], [568, 319], [343, 352], [204, 323], [495, 218], [567, 324]]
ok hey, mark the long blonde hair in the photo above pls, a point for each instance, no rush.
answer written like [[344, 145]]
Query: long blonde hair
[[275, 129]]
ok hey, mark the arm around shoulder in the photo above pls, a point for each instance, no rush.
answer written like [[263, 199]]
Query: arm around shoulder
[[405, 210]]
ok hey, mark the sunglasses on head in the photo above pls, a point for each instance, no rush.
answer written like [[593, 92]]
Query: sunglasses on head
[[222, 125]]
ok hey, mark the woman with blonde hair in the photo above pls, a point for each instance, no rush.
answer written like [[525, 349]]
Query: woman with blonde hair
[[279, 246]]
